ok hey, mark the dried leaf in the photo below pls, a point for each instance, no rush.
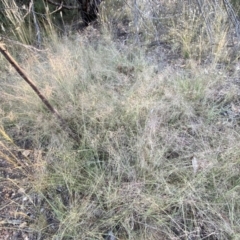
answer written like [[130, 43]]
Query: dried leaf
[[23, 225], [21, 190], [26, 153]]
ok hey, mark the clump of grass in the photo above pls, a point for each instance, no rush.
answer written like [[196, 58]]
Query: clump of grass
[[132, 172], [25, 24], [202, 32], [20, 30], [158, 157]]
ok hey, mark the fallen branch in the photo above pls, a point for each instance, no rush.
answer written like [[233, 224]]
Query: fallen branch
[[21, 72]]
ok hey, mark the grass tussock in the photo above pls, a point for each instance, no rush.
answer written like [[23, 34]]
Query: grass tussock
[[132, 172], [159, 150]]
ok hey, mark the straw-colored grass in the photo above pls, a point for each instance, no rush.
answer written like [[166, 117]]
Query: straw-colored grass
[[159, 153]]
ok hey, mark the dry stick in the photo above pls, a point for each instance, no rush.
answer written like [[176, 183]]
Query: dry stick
[[21, 72]]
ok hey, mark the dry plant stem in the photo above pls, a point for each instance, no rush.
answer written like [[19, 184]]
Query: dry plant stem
[[21, 72], [232, 15], [60, 5], [37, 28], [29, 47]]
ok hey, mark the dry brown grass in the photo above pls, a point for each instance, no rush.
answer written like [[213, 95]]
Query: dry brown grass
[[159, 154]]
